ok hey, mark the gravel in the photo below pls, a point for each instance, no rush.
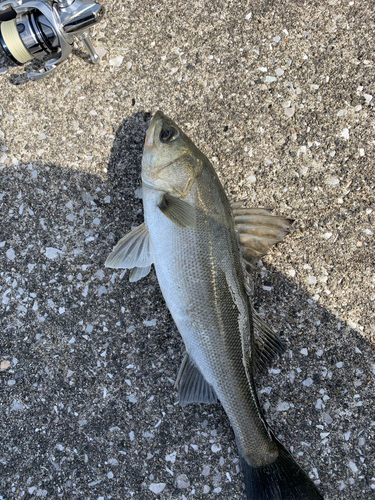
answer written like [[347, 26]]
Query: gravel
[[280, 99]]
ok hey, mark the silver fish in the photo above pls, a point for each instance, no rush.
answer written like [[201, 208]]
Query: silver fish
[[202, 248]]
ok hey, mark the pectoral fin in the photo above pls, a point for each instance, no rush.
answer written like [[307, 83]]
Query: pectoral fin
[[178, 211], [138, 273], [258, 230], [192, 386], [133, 250]]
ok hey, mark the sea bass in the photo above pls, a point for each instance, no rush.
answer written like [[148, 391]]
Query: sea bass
[[202, 247]]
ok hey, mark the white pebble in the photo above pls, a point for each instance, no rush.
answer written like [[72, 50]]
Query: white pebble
[[353, 467], [333, 181], [52, 253], [116, 61], [251, 179], [289, 112], [10, 254], [279, 71], [327, 418], [309, 381], [206, 470], [284, 406], [157, 487], [342, 112], [270, 79], [215, 448], [368, 98], [304, 351], [345, 134], [276, 39], [292, 272], [171, 457], [152, 322]]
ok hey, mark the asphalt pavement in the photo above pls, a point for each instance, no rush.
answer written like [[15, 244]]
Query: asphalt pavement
[[280, 97]]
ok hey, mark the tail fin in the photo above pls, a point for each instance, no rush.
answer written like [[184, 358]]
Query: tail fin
[[283, 479]]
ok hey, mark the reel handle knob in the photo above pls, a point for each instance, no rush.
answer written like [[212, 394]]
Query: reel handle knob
[[89, 46]]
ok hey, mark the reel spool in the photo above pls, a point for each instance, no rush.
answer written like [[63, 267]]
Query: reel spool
[[44, 30]]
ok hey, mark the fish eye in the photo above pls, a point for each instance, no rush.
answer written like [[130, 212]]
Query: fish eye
[[168, 134]]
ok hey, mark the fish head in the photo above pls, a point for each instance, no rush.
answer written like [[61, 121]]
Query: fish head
[[170, 160]]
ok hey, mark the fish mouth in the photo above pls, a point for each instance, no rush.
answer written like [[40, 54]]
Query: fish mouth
[[150, 134]]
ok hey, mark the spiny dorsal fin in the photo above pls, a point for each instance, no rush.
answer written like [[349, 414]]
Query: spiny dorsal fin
[[258, 231], [178, 211], [192, 386], [267, 343], [133, 250]]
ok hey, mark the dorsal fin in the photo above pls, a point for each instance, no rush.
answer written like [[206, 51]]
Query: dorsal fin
[[267, 343], [192, 386], [258, 230]]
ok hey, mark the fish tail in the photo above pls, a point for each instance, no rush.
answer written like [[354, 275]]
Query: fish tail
[[283, 479]]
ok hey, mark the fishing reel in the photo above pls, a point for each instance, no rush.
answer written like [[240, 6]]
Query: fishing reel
[[43, 30]]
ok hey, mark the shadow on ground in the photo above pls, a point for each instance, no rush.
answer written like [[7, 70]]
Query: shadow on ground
[[87, 400]]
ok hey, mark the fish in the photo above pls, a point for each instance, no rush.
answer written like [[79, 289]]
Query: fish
[[203, 248]]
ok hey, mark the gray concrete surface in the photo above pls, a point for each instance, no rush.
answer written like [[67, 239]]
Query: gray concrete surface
[[280, 96]]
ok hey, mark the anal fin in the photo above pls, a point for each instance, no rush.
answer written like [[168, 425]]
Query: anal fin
[[192, 386]]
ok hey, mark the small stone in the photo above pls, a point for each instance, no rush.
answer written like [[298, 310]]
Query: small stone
[[251, 179], [52, 253], [345, 134], [333, 181], [289, 112], [279, 71], [270, 79], [309, 381], [353, 467], [342, 112], [206, 470], [276, 39], [157, 487], [171, 457], [116, 61], [215, 448], [4, 365], [10, 254], [101, 52], [182, 482], [284, 406], [327, 418]]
